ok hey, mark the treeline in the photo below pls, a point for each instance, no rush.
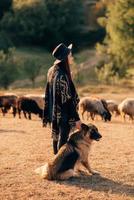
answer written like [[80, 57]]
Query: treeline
[[49, 22], [43, 23]]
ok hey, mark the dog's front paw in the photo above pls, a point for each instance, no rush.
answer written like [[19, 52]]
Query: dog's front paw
[[94, 172], [82, 173]]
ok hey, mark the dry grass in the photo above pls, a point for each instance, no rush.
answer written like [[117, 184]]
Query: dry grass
[[25, 145]]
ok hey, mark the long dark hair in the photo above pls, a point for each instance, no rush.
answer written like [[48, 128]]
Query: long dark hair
[[64, 65]]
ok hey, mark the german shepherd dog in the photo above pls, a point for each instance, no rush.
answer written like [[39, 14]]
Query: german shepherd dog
[[75, 151]]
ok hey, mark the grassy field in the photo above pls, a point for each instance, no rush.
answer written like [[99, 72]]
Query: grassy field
[[26, 145], [46, 59], [85, 61]]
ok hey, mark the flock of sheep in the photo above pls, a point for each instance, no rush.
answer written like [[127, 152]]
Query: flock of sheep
[[106, 108], [92, 106]]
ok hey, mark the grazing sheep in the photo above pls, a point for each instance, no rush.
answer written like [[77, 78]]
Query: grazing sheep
[[126, 107], [106, 108], [29, 106], [8, 101], [94, 105], [38, 98], [113, 107]]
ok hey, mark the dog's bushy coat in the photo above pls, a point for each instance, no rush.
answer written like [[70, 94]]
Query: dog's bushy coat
[[75, 150]]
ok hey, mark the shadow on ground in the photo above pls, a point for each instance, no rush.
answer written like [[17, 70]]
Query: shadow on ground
[[99, 183]]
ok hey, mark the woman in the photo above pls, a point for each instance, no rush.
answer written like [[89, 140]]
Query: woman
[[61, 99]]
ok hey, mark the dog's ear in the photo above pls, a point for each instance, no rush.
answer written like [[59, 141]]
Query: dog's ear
[[84, 127]]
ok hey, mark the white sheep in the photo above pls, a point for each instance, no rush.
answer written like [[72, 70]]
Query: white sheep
[[126, 107]]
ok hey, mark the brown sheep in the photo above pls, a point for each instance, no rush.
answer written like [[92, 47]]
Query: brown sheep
[[7, 102], [113, 107]]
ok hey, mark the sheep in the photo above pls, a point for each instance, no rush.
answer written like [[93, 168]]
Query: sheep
[[94, 105], [126, 107], [106, 108], [38, 98], [107, 116], [29, 106], [113, 107], [8, 101]]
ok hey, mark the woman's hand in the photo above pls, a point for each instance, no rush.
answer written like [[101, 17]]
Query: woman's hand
[[78, 124]]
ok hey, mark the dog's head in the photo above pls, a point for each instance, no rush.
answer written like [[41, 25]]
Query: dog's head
[[90, 131]]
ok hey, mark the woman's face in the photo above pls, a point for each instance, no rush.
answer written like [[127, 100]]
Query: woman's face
[[70, 59]]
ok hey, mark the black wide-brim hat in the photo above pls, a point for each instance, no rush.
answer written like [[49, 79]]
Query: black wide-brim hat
[[61, 52]]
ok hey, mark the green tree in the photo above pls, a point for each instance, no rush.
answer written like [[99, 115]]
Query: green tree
[[5, 5], [118, 46], [26, 24], [5, 42], [120, 26], [45, 22], [8, 68], [66, 21], [32, 69]]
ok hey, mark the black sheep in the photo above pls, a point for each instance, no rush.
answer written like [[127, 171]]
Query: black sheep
[[29, 106]]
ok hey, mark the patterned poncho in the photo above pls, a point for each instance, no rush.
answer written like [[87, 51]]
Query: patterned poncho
[[61, 100]]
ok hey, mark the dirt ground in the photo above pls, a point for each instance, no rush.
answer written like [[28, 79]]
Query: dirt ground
[[26, 145]]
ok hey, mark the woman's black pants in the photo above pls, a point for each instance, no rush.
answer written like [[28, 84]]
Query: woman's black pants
[[64, 129]]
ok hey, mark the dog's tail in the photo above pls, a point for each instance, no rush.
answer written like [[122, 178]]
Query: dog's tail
[[42, 171]]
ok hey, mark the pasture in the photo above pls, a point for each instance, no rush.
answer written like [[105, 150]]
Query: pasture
[[26, 145]]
